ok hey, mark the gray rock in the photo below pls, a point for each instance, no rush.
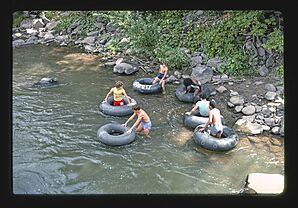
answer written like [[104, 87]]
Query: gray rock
[[258, 108], [237, 100], [263, 71], [196, 60], [221, 89], [110, 27], [51, 25], [216, 78], [261, 51], [48, 36], [281, 130], [89, 40], [89, 48], [213, 93], [270, 95], [266, 112], [270, 87], [93, 33], [270, 61], [264, 183], [258, 83], [202, 73], [18, 42], [275, 130], [248, 110], [124, 68], [171, 79], [248, 127], [266, 128], [26, 23], [231, 105], [238, 108], [233, 93], [224, 77], [269, 121]]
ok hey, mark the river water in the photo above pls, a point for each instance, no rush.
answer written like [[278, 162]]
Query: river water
[[56, 150]]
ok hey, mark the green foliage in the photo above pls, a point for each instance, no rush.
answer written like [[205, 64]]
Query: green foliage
[[50, 14], [225, 38], [160, 35], [275, 43], [86, 19], [18, 17]]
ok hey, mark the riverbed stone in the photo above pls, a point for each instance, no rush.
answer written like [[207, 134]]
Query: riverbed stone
[[269, 121], [263, 71], [89, 40], [238, 108], [221, 89], [233, 93], [265, 183], [237, 100], [124, 68], [248, 110], [231, 105], [248, 127], [270, 95], [266, 128], [270, 87], [202, 73], [275, 130], [26, 23]]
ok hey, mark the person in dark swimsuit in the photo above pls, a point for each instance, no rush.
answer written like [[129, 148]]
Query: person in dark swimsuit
[[161, 77], [192, 86]]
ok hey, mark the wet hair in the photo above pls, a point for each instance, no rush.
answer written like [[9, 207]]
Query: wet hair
[[136, 107], [212, 103], [119, 84], [187, 82], [203, 95]]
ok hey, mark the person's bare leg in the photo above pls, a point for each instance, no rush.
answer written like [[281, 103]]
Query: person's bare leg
[[155, 80], [139, 129], [146, 133], [163, 87]]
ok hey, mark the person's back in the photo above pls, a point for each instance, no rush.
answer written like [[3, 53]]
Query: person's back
[[203, 106], [144, 115], [216, 118]]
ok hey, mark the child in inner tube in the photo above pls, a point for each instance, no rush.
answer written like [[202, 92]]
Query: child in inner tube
[[192, 85], [119, 94], [161, 77]]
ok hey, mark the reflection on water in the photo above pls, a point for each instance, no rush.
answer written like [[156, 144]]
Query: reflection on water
[[55, 149]]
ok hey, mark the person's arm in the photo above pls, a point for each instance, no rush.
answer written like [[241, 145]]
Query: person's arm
[[106, 98], [164, 76], [129, 119], [135, 124], [128, 100], [208, 122], [192, 110]]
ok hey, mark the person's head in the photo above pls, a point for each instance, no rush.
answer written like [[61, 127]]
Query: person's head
[[203, 96], [187, 82], [212, 104], [136, 108], [119, 84]]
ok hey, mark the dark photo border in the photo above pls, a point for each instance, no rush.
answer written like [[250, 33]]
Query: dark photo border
[[9, 200]]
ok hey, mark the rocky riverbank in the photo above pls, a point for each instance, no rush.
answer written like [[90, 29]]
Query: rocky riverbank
[[257, 103]]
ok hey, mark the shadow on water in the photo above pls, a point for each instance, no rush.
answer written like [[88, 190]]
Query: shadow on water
[[56, 150]]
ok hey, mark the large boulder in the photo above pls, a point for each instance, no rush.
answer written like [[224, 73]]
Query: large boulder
[[264, 183], [124, 68], [202, 73]]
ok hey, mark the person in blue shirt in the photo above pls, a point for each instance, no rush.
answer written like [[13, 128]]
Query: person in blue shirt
[[202, 105]]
